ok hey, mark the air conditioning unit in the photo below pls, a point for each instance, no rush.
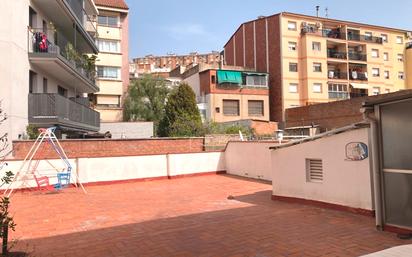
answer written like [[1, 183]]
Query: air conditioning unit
[[409, 34]]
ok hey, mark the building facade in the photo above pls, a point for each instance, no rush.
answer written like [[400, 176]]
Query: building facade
[[112, 62], [314, 60], [162, 65], [48, 74], [229, 93]]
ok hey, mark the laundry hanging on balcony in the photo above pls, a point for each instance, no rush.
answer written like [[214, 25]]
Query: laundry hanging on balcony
[[41, 43], [234, 77]]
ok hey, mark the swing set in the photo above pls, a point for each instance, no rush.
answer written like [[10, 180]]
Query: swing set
[[29, 168]]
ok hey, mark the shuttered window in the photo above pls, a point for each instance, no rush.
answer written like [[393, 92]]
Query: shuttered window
[[231, 107], [314, 170], [255, 107]]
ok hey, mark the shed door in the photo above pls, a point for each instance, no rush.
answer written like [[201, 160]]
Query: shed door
[[396, 124]]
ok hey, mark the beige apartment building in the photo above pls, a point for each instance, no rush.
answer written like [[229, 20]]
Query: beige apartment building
[[45, 75], [112, 62], [314, 60]]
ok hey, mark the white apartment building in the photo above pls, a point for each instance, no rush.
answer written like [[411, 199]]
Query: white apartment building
[[45, 74]]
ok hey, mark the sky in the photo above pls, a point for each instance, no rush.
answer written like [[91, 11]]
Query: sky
[[182, 26]]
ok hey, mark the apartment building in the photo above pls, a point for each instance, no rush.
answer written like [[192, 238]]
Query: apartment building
[[46, 73], [314, 60], [229, 93], [162, 65], [113, 59]]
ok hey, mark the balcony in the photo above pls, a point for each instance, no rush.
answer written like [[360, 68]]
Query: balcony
[[409, 45], [357, 56], [364, 38], [355, 75], [337, 55], [337, 75], [72, 20], [55, 110], [333, 33], [66, 65]]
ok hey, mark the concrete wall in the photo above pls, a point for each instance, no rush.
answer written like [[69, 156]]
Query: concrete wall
[[109, 169], [249, 159], [128, 129], [346, 183]]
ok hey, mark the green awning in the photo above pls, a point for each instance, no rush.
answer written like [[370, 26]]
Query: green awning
[[229, 77]]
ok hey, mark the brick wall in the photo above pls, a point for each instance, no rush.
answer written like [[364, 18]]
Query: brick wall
[[264, 127], [111, 147], [334, 114]]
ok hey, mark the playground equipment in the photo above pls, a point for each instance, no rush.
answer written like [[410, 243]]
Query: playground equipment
[[29, 169]]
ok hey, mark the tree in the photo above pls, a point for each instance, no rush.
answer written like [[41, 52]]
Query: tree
[[182, 117], [146, 100]]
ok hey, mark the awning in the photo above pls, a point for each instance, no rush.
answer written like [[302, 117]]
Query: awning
[[229, 77], [254, 73], [359, 85]]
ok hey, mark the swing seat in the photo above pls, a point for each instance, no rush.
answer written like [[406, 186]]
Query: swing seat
[[63, 180], [43, 183]]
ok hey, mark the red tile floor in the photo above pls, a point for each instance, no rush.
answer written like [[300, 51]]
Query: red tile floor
[[187, 217]]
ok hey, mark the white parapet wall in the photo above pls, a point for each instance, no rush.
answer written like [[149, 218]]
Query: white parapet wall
[[111, 169], [249, 159], [346, 183]]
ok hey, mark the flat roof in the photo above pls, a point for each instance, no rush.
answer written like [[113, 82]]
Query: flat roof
[[388, 99]]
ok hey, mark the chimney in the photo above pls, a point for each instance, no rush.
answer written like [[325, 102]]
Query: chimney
[[317, 10]]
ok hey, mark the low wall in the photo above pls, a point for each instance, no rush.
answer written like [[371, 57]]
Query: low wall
[[345, 183], [79, 148], [249, 159], [111, 169]]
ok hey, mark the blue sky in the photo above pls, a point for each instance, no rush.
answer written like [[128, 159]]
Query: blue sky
[[182, 26]]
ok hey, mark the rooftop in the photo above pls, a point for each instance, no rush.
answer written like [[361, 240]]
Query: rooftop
[[121, 4], [187, 217]]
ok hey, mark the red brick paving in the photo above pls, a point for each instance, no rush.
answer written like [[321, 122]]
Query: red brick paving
[[187, 217]]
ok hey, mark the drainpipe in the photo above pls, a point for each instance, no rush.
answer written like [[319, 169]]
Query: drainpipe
[[376, 171]]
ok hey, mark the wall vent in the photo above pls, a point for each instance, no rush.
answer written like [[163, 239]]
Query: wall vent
[[314, 170]]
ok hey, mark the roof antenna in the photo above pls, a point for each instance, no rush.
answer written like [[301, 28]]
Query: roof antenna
[[327, 12], [317, 11]]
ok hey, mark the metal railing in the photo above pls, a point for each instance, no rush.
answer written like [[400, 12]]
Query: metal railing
[[54, 109], [364, 38], [333, 33], [337, 75], [338, 95], [86, 20], [357, 56], [39, 44], [337, 55], [358, 76]]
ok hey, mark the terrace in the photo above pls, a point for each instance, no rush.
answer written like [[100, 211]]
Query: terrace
[[187, 217]]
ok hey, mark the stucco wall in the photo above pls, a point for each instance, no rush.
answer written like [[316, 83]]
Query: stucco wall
[[249, 159], [346, 183]]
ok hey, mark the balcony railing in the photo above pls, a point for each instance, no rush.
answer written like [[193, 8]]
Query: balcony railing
[[337, 55], [409, 45], [364, 38], [337, 75], [333, 33], [338, 95], [238, 86], [54, 109], [39, 43], [357, 56], [85, 19], [354, 75]]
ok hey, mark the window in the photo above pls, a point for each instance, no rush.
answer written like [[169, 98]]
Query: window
[[317, 87], [110, 21], [32, 17], [292, 46], [291, 25], [401, 75], [316, 46], [213, 79], [338, 91], [375, 53], [61, 91], [317, 67], [385, 56], [375, 72], [106, 72], [368, 35], [293, 67], [376, 91], [231, 107], [256, 80], [387, 91], [314, 170], [44, 25], [384, 38], [255, 107], [399, 40], [386, 74], [293, 88], [44, 85], [400, 57], [32, 81], [110, 46]]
